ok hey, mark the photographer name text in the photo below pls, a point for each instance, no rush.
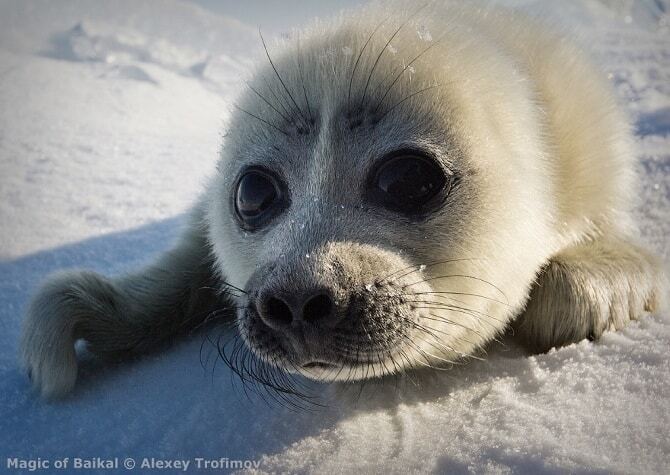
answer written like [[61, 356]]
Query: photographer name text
[[128, 463]]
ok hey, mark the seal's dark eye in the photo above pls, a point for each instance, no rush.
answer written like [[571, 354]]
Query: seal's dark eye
[[256, 197], [409, 182]]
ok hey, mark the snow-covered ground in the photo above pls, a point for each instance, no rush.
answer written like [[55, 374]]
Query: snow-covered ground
[[110, 118]]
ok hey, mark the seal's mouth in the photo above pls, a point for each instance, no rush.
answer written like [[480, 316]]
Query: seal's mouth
[[318, 365]]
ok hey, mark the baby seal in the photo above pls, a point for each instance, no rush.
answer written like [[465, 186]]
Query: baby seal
[[393, 191]]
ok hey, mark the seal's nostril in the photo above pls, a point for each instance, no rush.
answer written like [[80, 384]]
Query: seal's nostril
[[318, 307], [276, 311]]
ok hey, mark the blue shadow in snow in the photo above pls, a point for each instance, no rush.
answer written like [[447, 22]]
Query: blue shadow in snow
[[654, 123]]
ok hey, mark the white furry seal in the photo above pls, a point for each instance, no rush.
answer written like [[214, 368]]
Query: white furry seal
[[391, 194]]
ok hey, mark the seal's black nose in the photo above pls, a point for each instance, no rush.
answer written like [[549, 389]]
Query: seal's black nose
[[316, 309]]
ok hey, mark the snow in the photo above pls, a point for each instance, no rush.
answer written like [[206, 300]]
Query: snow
[[110, 119]]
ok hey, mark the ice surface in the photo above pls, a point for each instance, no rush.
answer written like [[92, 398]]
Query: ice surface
[[110, 120]]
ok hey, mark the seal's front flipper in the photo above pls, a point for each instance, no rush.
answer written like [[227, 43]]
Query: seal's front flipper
[[587, 289], [118, 317]]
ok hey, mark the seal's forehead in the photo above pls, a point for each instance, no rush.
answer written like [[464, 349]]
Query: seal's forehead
[[348, 66], [349, 86]]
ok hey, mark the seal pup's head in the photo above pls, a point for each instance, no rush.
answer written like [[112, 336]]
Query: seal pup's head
[[374, 199]]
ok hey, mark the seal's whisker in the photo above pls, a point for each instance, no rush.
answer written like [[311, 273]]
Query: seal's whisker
[[267, 53], [270, 124], [428, 331], [447, 306], [444, 294], [426, 356], [455, 276], [281, 102], [420, 267], [358, 59], [463, 311], [222, 313], [440, 318], [302, 82], [262, 376], [407, 66], [406, 98], [437, 318], [268, 103], [229, 285], [374, 66]]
